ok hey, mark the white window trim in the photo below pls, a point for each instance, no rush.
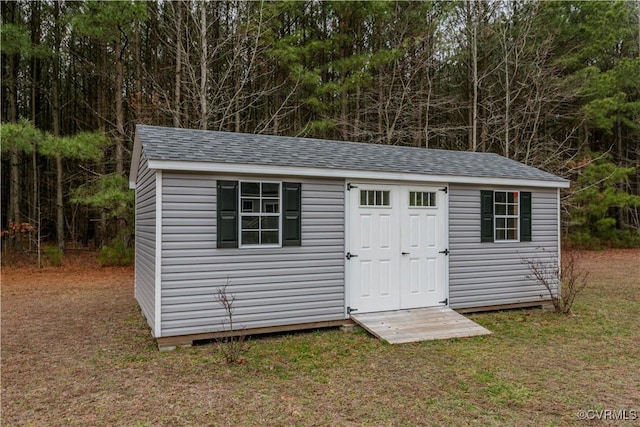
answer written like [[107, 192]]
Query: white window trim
[[495, 218], [240, 214]]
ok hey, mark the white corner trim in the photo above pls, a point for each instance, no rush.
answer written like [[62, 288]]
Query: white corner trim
[[447, 213], [135, 162], [157, 326], [273, 170]]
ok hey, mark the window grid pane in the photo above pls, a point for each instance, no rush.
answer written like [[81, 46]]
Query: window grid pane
[[375, 198], [420, 199], [250, 238], [270, 189], [250, 222], [269, 237], [260, 213], [269, 223], [250, 189]]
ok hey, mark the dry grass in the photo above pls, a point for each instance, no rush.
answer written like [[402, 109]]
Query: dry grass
[[76, 351]]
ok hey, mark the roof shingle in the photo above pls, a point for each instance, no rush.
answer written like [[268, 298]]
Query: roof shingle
[[165, 143]]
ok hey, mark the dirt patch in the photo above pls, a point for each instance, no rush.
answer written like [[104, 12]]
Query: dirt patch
[[54, 321], [77, 351]]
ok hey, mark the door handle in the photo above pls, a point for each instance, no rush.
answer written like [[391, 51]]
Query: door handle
[[406, 253]]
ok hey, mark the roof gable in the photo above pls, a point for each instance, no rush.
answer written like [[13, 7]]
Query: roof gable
[[181, 147]]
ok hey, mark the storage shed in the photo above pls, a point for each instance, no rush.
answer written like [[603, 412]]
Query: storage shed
[[306, 232]]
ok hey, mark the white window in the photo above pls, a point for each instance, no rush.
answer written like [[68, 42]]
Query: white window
[[507, 211], [372, 198], [260, 219], [422, 199]]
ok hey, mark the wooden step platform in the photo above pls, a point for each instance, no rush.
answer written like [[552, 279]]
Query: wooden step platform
[[418, 324]]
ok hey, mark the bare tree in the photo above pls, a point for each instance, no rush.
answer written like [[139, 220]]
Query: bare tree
[[204, 66], [563, 282], [177, 86], [474, 81], [233, 344]]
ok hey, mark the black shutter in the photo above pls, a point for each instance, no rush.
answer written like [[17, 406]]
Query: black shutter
[[525, 216], [486, 218], [227, 202], [291, 214]]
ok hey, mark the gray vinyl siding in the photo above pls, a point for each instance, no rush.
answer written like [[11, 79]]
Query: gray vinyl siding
[[271, 286], [486, 274], [145, 240]]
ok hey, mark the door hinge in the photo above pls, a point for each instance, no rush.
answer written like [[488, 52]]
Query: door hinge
[[445, 302], [350, 255], [445, 189], [350, 310], [350, 186], [446, 252]]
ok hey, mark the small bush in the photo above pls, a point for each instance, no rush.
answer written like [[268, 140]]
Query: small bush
[[115, 254], [573, 279], [53, 256], [232, 346]]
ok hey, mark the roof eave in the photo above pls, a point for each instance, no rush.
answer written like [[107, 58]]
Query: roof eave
[[275, 170]]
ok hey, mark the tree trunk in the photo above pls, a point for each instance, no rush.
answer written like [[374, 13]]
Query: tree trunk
[[138, 79], [153, 7], [103, 88], [178, 70], [120, 136], [59, 204], [14, 190], [35, 204], [426, 114], [357, 123], [101, 232], [237, 111], [12, 106], [35, 108], [35, 61], [380, 105], [55, 104], [474, 59], [468, 24], [203, 65], [507, 96]]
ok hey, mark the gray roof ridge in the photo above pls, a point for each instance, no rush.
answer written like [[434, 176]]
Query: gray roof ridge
[[324, 140]]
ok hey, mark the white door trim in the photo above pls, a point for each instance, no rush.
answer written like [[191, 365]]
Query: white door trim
[[347, 247], [349, 265]]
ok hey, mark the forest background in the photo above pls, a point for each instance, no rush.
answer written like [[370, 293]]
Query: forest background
[[555, 85]]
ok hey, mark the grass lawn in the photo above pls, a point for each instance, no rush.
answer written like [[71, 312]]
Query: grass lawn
[[76, 351]]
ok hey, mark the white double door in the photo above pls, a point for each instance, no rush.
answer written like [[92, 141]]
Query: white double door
[[397, 240]]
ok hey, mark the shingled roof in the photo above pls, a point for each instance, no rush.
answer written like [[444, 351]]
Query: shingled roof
[[189, 145]]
